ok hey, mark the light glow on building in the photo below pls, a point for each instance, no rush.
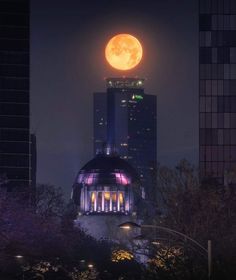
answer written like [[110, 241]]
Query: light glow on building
[[105, 185]]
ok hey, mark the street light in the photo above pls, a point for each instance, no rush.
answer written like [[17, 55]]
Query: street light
[[130, 225], [90, 265], [19, 257]]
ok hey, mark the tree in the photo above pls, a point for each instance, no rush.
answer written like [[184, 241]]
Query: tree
[[49, 201], [201, 211]]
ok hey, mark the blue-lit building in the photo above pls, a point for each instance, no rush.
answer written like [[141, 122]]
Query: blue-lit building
[[125, 117]]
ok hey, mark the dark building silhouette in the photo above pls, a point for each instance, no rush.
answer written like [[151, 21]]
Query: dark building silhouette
[[217, 88], [33, 151], [125, 117], [15, 138]]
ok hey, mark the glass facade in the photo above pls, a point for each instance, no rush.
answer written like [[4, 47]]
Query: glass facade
[[217, 88], [15, 154], [125, 117]]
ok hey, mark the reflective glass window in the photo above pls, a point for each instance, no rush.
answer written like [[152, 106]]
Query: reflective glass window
[[226, 153], [208, 87], [205, 39], [226, 137], [232, 71], [214, 55], [208, 153], [205, 22], [232, 6], [220, 74], [202, 104], [214, 71], [226, 120], [220, 153], [223, 55], [232, 22], [205, 55], [226, 84], [214, 120], [202, 120], [233, 153], [208, 120], [214, 104], [226, 25], [233, 120], [214, 153], [220, 137], [202, 153], [220, 104], [227, 104], [232, 87], [208, 104], [205, 6], [233, 55], [233, 136], [226, 71], [220, 87], [202, 87]]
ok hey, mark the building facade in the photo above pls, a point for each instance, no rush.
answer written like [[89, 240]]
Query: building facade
[[217, 88], [15, 138], [125, 118], [105, 185]]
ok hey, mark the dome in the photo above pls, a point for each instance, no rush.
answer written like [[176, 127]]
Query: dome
[[104, 185], [107, 169]]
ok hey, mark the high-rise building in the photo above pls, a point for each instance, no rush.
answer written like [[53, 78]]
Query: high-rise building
[[125, 118], [217, 88], [15, 139]]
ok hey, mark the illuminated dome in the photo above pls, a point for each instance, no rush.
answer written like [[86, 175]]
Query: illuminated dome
[[104, 185]]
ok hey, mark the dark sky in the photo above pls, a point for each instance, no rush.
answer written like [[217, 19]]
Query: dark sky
[[67, 65]]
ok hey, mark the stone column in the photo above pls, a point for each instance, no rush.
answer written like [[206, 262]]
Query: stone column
[[95, 200], [103, 201], [110, 201], [118, 201]]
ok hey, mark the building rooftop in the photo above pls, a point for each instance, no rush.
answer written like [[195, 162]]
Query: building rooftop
[[125, 82], [109, 169]]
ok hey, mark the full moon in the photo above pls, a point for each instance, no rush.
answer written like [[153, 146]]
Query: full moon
[[123, 51]]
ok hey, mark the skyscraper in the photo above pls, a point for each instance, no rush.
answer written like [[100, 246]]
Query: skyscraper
[[217, 88], [125, 117], [15, 150]]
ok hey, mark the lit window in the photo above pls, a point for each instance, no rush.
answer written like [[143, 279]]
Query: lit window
[[124, 144], [121, 198], [107, 196], [90, 179], [93, 197]]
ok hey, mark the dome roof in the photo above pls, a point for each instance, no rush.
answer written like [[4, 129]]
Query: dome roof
[[107, 169]]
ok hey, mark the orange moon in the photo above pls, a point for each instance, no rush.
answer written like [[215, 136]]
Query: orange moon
[[123, 52]]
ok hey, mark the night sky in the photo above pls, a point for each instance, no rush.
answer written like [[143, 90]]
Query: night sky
[[68, 38]]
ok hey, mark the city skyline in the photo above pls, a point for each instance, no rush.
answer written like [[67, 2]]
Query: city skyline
[[66, 49], [117, 139]]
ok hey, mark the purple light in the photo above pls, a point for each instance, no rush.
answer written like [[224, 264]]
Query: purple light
[[122, 179], [90, 178]]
